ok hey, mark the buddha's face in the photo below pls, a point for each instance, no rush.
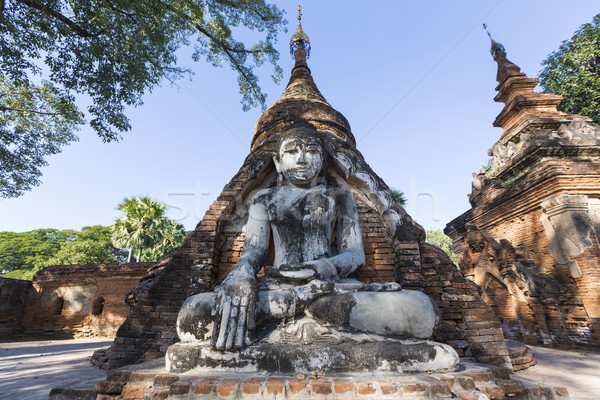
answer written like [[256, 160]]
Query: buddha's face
[[300, 160]]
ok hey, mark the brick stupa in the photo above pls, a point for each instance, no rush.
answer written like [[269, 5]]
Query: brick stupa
[[394, 244], [531, 238]]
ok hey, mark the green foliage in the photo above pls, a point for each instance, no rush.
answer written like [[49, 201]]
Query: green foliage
[[25, 274], [80, 252], [574, 72], [170, 235], [114, 51], [23, 254], [35, 122], [437, 238], [32, 249], [144, 228], [399, 196]]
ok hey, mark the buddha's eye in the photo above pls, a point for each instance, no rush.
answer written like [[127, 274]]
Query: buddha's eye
[[291, 151]]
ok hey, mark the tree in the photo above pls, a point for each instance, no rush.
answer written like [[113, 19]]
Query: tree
[[399, 196], [27, 250], [23, 254], [144, 228], [80, 252], [437, 238], [170, 235], [114, 51], [35, 122], [103, 235], [574, 72]]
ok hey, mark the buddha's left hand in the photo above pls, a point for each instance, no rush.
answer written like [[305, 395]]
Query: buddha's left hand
[[321, 270]]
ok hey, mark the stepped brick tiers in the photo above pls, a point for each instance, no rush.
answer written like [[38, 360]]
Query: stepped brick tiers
[[307, 279], [531, 238]]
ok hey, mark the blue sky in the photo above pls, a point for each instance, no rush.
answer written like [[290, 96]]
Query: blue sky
[[415, 80]]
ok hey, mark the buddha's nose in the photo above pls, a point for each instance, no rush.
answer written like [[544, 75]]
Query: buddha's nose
[[302, 158]]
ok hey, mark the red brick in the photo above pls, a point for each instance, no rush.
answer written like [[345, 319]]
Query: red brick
[[493, 392], [159, 394], [109, 387], [206, 385], [365, 387], [342, 385], [227, 387], [180, 388], [133, 392], [165, 379], [321, 386], [410, 388], [388, 387], [252, 385], [275, 385], [465, 383], [480, 376], [296, 385], [142, 376]]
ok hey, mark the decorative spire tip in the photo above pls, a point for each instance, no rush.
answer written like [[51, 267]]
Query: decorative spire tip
[[495, 45], [300, 38]]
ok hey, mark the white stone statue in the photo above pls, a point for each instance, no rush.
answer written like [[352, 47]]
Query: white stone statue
[[318, 248]]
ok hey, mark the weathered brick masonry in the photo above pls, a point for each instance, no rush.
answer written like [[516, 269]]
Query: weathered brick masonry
[[13, 295], [67, 301], [531, 238]]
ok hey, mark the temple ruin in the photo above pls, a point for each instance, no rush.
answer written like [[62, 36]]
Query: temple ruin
[[531, 238]]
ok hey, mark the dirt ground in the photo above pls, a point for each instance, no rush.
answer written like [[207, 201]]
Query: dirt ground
[[578, 371]]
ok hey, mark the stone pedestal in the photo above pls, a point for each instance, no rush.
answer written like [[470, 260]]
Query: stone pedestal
[[373, 356]]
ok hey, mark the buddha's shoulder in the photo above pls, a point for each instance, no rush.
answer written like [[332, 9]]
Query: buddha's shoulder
[[338, 192], [264, 195]]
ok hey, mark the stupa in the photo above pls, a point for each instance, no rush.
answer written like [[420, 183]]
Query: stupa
[[532, 237], [394, 245]]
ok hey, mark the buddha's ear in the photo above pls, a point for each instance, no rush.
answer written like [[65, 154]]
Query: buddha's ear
[[277, 164]]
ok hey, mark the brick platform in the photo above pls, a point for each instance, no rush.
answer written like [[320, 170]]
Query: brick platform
[[521, 356], [474, 381]]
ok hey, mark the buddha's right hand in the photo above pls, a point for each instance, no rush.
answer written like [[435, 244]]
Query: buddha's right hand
[[236, 316]]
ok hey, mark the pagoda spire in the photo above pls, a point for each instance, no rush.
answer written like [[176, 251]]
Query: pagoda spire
[[300, 42], [515, 90], [301, 101]]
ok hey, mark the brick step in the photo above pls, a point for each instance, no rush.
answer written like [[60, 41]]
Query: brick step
[[520, 355], [72, 394], [516, 349], [473, 382]]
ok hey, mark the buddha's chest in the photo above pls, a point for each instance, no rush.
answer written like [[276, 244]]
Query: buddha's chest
[[302, 225], [302, 210]]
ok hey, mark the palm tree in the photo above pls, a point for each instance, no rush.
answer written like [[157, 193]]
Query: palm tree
[[138, 227], [399, 196], [168, 236]]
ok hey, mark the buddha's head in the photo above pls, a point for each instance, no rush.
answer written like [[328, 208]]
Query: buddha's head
[[300, 157]]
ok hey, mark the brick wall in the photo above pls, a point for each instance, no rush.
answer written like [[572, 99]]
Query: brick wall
[[512, 212], [69, 300], [13, 296]]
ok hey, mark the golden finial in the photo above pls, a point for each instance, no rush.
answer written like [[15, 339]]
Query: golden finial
[[495, 45], [300, 38]]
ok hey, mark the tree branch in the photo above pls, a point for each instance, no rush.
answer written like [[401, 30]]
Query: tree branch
[[131, 16], [226, 48], [53, 13], [224, 45], [2, 108]]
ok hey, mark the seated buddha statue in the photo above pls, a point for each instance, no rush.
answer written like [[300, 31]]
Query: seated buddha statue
[[318, 249]]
